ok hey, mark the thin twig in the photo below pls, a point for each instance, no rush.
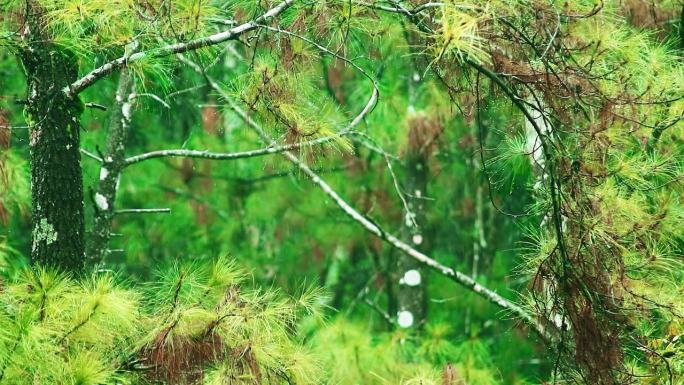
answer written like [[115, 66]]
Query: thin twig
[[143, 211], [91, 155]]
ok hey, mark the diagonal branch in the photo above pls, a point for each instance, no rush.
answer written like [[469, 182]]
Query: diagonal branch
[[231, 34], [372, 227]]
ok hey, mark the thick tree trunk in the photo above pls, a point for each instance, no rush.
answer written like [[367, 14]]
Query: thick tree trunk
[[110, 172], [411, 298], [56, 176]]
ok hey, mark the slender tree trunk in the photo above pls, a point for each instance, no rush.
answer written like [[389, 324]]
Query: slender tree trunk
[[411, 301], [411, 298], [475, 189], [481, 250], [479, 239], [110, 172], [56, 176]]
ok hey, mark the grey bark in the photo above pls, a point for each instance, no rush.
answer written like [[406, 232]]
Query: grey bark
[[410, 273], [411, 295], [113, 163]]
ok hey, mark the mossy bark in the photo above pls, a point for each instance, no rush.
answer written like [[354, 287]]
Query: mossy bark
[[56, 175]]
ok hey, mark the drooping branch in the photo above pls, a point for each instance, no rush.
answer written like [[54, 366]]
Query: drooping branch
[[93, 76]]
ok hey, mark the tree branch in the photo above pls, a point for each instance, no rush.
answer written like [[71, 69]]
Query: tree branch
[[229, 155], [142, 211], [458, 277], [90, 155], [93, 76]]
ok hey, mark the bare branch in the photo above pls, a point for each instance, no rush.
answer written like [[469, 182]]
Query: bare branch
[[365, 140], [182, 153], [91, 155], [96, 106], [379, 310], [143, 211], [155, 97], [410, 215]]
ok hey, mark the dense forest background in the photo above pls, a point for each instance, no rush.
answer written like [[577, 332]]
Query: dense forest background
[[341, 192]]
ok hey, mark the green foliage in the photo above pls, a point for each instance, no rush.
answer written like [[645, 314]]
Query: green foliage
[[15, 189], [289, 99], [101, 330], [355, 355], [591, 235]]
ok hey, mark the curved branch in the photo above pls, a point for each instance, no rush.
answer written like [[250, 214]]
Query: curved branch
[[372, 101], [182, 153]]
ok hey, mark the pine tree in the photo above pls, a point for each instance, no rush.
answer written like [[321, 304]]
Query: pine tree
[[581, 104]]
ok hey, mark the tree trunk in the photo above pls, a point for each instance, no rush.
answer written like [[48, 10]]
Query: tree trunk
[[56, 176], [411, 298], [479, 239], [110, 171]]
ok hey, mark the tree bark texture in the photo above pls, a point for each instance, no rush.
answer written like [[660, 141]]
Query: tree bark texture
[[56, 175]]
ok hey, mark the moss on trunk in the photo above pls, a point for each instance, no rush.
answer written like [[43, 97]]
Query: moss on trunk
[[56, 175]]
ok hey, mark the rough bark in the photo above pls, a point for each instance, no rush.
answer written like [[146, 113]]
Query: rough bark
[[56, 176], [110, 172]]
